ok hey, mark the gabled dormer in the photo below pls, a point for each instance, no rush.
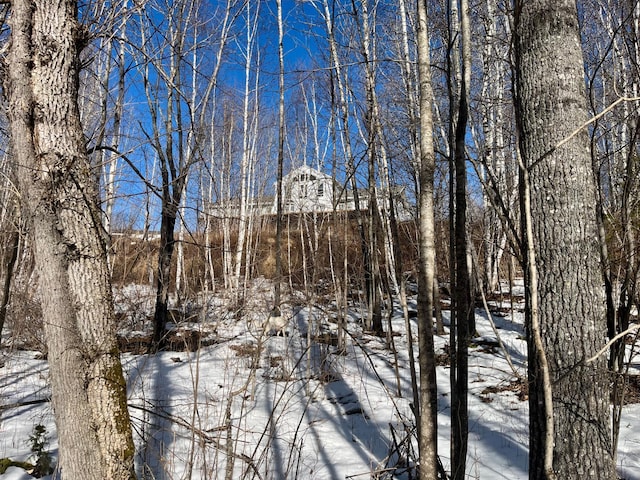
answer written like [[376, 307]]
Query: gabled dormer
[[306, 189]]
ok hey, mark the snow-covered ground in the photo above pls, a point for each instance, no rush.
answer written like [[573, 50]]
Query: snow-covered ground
[[251, 405]]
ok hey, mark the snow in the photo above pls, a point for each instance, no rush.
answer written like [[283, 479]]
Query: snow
[[276, 407]]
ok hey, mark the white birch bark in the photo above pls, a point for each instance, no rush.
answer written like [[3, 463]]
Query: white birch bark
[[427, 427], [245, 163]]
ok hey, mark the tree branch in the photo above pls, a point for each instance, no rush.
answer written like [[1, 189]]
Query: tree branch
[[135, 169], [611, 342], [567, 139]]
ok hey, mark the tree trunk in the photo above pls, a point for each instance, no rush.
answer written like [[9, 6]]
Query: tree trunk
[[551, 105], [278, 277], [375, 148], [11, 256], [427, 427], [87, 383], [465, 321], [177, 122], [11, 224], [167, 246]]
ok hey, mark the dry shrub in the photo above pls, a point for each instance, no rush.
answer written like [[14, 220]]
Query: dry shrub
[[176, 340], [25, 322], [134, 259], [245, 349]]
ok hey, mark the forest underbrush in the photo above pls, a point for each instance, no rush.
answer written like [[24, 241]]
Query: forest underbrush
[[325, 399]]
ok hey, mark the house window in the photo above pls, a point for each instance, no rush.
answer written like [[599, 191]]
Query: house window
[[320, 189]]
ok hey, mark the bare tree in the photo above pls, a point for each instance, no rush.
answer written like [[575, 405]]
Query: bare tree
[[496, 153], [110, 66], [170, 72], [343, 102], [550, 73], [428, 439], [463, 325], [251, 28], [611, 64], [88, 387], [281, 130]]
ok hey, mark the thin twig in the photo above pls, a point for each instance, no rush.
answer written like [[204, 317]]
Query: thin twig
[[567, 139], [611, 342], [596, 117]]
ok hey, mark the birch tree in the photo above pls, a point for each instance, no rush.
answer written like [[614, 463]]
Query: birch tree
[[427, 428], [110, 66], [281, 129], [249, 134], [377, 161], [342, 100], [87, 383], [496, 152]]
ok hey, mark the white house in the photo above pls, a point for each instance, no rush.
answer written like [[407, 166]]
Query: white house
[[307, 190]]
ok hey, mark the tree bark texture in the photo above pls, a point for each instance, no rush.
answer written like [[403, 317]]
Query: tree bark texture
[[60, 195], [551, 105]]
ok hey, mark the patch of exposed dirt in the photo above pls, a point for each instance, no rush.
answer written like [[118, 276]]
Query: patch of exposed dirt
[[518, 386], [136, 344], [504, 297], [177, 340], [502, 312], [330, 339], [443, 359], [484, 345], [245, 349]]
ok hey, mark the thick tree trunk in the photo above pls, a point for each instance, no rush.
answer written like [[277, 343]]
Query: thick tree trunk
[[88, 388], [551, 105], [167, 247]]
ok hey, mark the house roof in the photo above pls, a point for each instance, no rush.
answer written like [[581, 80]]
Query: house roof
[[305, 169]]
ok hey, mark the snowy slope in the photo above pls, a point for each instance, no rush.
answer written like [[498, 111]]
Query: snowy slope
[[251, 405]]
